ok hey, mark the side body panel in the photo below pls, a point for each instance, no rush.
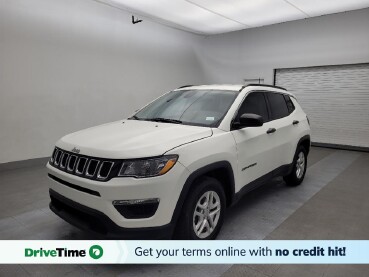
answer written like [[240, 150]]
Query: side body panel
[[255, 153]]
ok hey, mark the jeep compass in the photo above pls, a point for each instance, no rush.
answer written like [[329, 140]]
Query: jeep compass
[[172, 168]]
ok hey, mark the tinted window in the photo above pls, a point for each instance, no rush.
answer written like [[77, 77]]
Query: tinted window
[[254, 103], [290, 105], [277, 105]]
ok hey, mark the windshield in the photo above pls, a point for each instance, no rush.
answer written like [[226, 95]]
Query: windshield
[[190, 107]]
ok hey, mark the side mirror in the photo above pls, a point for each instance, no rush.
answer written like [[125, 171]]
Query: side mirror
[[249, 120]]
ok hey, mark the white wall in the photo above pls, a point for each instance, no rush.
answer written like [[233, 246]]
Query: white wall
[[70, 64], [334, 39]]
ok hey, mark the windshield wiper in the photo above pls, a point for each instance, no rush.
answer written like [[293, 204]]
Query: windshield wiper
[[134, 117], [167, 120]]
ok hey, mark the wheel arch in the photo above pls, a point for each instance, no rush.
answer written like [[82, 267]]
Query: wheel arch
[[221, 170], [305, 142]]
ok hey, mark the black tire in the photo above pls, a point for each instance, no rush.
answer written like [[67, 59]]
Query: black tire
[[295, 178], [185, 225]]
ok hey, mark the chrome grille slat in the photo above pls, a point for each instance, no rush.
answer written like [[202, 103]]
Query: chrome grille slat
[[104, 176], [92, 167], [72, 162], [58, 157], [80, 161], [53, 155], [64, 160]]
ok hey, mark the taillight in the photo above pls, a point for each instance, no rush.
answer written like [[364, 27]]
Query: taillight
[[308, 120]]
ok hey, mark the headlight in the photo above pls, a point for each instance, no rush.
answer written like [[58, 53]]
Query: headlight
[[149, 167]]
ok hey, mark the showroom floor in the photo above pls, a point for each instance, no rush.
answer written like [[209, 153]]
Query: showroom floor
[[332, 203]]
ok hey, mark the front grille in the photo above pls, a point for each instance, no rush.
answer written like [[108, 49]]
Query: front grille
[[84, 166]]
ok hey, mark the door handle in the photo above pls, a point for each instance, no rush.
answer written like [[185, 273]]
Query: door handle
[[271, 130], [295, 122]]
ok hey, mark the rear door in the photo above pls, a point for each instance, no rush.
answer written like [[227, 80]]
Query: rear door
[[285, 128]]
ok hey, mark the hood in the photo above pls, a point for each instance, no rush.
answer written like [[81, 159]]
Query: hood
[[128, 139]]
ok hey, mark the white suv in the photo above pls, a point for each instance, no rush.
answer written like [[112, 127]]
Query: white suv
[[174, 167]]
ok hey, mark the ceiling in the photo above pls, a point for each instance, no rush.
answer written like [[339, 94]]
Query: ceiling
[[221, 16]]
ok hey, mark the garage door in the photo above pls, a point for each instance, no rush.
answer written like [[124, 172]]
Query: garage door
[[336, 99]]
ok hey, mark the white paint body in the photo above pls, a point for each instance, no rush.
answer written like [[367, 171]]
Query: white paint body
[[195, 146]]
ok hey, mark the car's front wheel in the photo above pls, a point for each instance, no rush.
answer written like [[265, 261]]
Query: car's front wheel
[[203, 212]]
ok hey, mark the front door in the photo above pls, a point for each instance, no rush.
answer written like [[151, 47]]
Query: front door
[[254, 145]]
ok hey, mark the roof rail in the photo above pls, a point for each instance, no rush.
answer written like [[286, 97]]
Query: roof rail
[[260, 85], [185, 86]]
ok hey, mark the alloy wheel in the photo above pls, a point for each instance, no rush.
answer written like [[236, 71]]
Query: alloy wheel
[[300, 165], [206, 214]]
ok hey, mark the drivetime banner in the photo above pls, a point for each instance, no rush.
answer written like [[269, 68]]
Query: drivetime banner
[[184, 252]]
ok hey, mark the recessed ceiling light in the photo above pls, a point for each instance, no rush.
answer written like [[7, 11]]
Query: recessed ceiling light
[[321, 7], [252, 13]]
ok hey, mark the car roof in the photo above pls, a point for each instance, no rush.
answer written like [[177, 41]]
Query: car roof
[[237, 87]]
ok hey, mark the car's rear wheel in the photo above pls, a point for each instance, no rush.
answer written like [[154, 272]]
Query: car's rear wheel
[[297, 174], [203, 211]]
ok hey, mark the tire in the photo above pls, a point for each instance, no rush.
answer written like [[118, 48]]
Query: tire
[[189, 223], [297, 174]]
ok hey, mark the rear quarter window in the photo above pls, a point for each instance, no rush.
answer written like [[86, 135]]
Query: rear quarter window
[[290, 105]]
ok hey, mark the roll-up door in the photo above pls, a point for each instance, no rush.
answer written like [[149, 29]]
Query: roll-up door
[[336, 100]]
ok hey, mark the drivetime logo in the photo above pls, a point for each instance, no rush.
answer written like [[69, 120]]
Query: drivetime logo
[[95, 252]]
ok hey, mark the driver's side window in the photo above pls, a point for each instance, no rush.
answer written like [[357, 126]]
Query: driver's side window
[[254, 103]]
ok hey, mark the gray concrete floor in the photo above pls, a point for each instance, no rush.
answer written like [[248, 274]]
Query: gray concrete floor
[[330, 204]]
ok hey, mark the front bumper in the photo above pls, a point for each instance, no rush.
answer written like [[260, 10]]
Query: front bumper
[[99, 196], [96, 222]]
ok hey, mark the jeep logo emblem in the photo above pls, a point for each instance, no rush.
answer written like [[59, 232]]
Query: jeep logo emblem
[[76, 150]]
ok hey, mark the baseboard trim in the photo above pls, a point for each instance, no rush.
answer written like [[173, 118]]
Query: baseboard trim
[[339, 146], [23, 164]]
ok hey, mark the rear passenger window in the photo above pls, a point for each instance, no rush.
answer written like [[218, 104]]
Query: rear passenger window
[[254, 103], [277, 105], [290, 105]]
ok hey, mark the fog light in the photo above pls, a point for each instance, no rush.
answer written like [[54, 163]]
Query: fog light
[[137, 208], [136, 201]]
